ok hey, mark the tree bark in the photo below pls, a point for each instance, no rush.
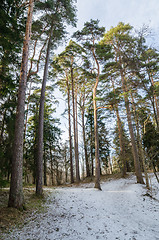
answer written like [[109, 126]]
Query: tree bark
[[97, 163], [121, 141], [2, 127], [45, 169], [65, 161], [16, 198], [76, 121], [74, 128], [155, 101], [51, 159], [91, 142], [139, 140], [84, 141], [134, 148], [39, 165], [69, 124]]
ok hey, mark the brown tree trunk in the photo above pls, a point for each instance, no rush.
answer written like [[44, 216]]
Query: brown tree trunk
[[69, 124], [65, 161], [134, 147], [26, 117], [91, 142], [85, 144], [45, 169], [51, 159], [16, 198], [97, 162], [76, 121], [74, 128], [154, 171], [2, 127], [155, 103], [121, 141], [139, 140], [39, 165]]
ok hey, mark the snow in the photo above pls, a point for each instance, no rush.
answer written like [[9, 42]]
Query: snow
[[122, 210]]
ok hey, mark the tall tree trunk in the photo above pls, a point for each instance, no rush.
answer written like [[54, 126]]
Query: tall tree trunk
[[139, 140], [121, 141], [155, 101], [154, 170], [35, 142], [51, 158], [91, 143], [85, 144], [2, 127], [76, 120], [16, 198], [45, 168], [27, 108], [74, 128], [65, 161], [69, 124], [39, 165], [97, 162], [134, 147]]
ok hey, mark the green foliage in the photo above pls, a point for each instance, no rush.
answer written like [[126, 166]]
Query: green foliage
[[104, 145], [151, 142], [3, 182], [11, 38], [54, 14], [127, 149]]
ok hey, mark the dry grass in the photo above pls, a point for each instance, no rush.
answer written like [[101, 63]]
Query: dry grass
[[11, 217]]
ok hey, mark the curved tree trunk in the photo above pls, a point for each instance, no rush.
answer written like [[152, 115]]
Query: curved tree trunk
[[16, 198], [39, 164]]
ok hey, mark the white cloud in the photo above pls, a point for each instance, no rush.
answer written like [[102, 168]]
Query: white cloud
[[110, 12]]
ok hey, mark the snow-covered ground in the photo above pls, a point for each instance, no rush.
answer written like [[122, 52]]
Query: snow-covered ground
[[120, 211]]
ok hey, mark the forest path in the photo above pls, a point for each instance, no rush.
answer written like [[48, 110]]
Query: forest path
[[119, 211]]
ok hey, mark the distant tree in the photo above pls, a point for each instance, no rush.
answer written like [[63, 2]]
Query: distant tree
[[127, 149], [89, 35], [151, 144], [122, 44], [56, 14]]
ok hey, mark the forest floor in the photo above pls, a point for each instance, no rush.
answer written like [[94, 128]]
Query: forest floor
[[123, 210]]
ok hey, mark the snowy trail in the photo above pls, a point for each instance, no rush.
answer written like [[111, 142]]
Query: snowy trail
[[119, 211]]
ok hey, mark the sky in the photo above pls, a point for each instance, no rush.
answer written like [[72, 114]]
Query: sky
[[110, 13]]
